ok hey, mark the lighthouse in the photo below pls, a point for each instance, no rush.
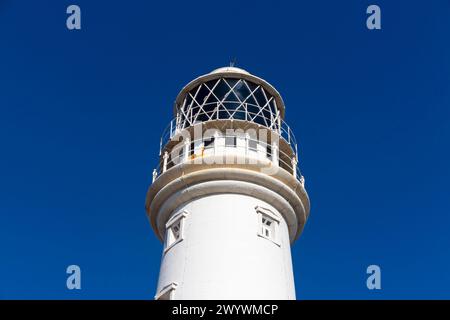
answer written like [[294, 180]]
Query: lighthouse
[[227, 198]]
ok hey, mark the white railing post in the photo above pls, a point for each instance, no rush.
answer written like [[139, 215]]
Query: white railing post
[[279, 121], [186, 152], [247, 145], [177, 127], [289, 135], [275, 150], [166, 157], [215, 145], [294, 166]]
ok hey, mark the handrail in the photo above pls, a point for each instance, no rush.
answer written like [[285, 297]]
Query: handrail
[[284, 130], [285, 161]]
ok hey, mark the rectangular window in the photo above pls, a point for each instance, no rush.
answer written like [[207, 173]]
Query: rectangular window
[[268, 225], [252, 144], [230, 141], [174, 230], [173, 233], [269, 151]]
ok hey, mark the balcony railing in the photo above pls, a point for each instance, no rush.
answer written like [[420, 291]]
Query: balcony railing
[[244, 148], [275, 124]]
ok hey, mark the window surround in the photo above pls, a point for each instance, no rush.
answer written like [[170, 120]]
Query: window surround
[[264, 212], [179, 217], [167, 293]]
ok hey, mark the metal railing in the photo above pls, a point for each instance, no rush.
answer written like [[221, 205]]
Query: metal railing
[[275, 124], [243, 149]]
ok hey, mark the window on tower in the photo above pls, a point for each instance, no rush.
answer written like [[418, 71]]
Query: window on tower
[[268, 224], [174, 230], [230, 141], [253, 144], [174, 233], [269, 151], [167, 293]]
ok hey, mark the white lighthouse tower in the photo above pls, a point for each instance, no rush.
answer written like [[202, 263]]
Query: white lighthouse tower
[[227, 199]]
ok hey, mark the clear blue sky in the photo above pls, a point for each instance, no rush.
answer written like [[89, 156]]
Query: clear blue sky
[[82, 112]]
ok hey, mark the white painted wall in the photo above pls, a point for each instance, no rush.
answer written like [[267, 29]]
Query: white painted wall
[[222, 257]]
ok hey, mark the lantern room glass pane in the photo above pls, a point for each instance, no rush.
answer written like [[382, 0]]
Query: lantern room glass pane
[[228, 98]]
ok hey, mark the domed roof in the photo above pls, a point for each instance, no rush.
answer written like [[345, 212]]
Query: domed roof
[[230, 69]]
